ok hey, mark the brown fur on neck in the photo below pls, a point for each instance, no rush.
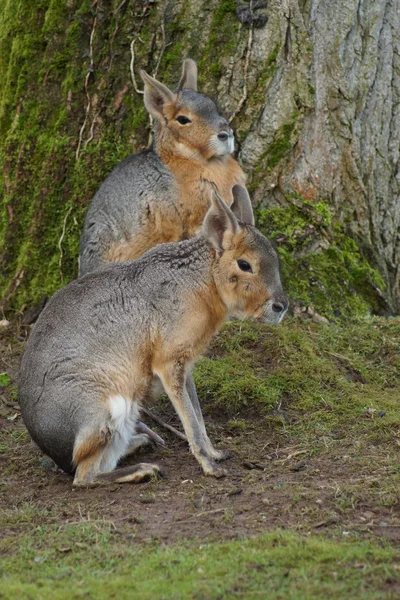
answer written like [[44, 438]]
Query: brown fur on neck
[[193, 174], [203, 316]]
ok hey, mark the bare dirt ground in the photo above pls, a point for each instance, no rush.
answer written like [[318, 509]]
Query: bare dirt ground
[[272, 482]]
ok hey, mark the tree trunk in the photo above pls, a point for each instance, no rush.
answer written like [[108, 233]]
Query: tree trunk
[[312, 87]]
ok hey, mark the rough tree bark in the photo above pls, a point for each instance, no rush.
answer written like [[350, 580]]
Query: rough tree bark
[[312, 87], [347, 148]]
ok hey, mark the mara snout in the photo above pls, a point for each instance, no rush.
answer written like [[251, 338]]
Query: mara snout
[[275, 309], [111, 341]]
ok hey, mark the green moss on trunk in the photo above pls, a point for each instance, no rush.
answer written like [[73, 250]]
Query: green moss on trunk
[[69, 113], [321, 266]]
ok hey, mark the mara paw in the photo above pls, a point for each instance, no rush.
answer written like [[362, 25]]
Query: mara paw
[[213, 470], [221, 455]]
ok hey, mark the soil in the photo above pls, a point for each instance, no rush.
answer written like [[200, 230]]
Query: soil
[[271, 482]]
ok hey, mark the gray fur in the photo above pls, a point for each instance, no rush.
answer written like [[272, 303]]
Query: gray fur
[[123, 203], [88, 330], [203, 107], [141, 184], [98, 329]]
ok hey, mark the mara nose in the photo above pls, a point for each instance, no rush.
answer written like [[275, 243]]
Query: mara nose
[[279, 306], [223, 136]]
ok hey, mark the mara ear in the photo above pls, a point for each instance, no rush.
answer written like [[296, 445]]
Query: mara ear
[[188, 80], [241, 206], [218, 222], [156, 95]]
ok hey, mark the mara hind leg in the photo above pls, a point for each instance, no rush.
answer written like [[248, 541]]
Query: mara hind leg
[[139, 441], [96, 455], [144, 436], [154, 437], [133, 474]]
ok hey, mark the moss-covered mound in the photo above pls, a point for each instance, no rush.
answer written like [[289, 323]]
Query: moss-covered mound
[[317, 381]]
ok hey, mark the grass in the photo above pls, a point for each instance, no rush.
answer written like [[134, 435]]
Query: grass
[[326, 393], [335, 376], [328, 389], [95, 561]]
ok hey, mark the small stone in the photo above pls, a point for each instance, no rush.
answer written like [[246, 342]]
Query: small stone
[[300, 466], [249, 465], [137, 520], [254, 465], [47, 463], [4, 323], [368, 514], [320, 319], [235, 492], [39, 558], [147, 500]]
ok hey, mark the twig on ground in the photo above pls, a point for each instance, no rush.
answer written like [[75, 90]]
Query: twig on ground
[[202, 514], [293, 454], [178, 434]]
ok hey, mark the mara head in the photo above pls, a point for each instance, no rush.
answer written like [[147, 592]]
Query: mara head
[[246, 270], [192, 120]]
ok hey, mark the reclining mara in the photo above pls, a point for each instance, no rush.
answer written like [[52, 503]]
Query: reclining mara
[[112, 340], [162, 194]]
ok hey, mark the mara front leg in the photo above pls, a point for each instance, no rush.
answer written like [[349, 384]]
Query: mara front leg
[[191, 388], [173, 377]]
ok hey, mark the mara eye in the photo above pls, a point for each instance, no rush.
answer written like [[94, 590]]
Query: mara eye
[[244, 266], [183, 120]]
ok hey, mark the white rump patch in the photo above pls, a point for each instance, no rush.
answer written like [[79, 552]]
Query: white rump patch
[[123, 418]]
